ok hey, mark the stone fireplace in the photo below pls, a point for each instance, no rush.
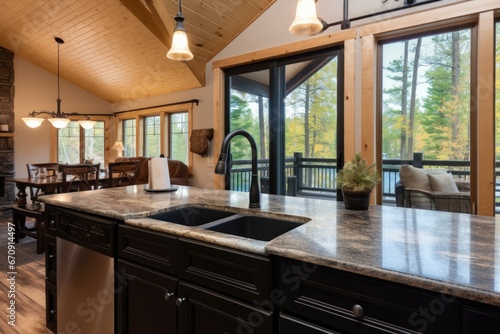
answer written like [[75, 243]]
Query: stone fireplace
[[7, 189]]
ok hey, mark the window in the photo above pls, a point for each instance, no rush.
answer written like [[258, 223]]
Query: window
[[426, 103], [292, 109], [154, 131], [129, 137], [77, 145], [179, 139], [152, 136]]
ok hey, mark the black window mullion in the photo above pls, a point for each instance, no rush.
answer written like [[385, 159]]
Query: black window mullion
[[276, 130]]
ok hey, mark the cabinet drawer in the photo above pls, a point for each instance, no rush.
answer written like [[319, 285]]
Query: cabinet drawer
[[149, 248], [234, 273], [50, 221], [50, 258], [291, 325], [358, 304], [477, 318]]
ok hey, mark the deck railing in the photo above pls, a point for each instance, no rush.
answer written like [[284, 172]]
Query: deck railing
[[316, 177]]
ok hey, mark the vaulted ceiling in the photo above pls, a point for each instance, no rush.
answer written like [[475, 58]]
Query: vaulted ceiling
[[116, 49]]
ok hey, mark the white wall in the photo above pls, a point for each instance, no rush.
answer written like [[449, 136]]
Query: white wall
[[36, 89]]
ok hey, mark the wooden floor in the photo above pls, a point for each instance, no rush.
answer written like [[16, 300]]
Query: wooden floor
[[29, 286]]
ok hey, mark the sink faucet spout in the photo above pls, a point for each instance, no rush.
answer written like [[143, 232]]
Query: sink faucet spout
[[221, 167]]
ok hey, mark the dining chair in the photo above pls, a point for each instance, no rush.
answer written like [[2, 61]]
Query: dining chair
[[35, 210], [51, 169], [123, 173], [80, 177]]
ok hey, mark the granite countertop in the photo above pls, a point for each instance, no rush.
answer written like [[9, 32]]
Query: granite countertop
[[456, 254]]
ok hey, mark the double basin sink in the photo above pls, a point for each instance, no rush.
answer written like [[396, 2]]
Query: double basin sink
[[244, 225]]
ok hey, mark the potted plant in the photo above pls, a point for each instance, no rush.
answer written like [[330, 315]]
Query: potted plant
[[357, 180]]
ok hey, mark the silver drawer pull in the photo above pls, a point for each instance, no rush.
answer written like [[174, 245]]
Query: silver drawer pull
[[179, 301], [168, 295], [358, 312]]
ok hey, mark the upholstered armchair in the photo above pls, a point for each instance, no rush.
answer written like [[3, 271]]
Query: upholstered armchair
[[432, 189]]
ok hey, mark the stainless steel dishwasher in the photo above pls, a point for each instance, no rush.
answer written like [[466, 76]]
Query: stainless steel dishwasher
[[85, 273]]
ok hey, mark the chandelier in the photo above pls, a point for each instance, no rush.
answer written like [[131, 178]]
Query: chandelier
[[57, 118]]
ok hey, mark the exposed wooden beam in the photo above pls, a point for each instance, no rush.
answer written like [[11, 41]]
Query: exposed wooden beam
[[146, 17], [157, 19]]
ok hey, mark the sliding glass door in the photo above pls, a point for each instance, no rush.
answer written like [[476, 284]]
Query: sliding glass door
[[293, 109]]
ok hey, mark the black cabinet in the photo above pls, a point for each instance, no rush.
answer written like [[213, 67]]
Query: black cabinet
[[290, 324], [350, 303], [50, 269], [145, 300], [205, 311], [174, 286], [480, 318]]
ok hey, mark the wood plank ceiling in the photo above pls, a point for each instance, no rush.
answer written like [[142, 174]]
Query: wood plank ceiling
[[116, 49]]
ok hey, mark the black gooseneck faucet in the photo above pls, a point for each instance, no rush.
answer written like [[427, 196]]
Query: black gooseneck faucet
[[221, 168]]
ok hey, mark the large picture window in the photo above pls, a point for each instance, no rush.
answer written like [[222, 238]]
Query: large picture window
[[426, 104]]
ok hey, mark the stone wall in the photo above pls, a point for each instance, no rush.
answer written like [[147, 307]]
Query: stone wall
[[7, 196]]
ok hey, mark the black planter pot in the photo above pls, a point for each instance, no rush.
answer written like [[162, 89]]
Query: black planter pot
[[356, 200]]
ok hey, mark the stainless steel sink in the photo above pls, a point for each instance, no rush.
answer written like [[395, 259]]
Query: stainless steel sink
[[254, 227], [192, 215]]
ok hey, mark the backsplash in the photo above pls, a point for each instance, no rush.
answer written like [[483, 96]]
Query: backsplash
[[7, 92]]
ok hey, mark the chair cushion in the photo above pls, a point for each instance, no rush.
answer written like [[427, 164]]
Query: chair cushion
[[442, 182], [415, 178]]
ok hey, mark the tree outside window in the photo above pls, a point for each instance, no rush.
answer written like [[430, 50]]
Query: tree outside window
[[129, 137], [77, 145]]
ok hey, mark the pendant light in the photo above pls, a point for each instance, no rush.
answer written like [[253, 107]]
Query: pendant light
[[58, 119], [306, 21], [180, 47]]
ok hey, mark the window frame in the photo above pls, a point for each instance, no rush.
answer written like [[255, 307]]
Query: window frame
[[54, 138], [164, 112]]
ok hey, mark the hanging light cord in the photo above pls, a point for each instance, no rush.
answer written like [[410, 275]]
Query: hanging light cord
[[58, 62], [180, 8]]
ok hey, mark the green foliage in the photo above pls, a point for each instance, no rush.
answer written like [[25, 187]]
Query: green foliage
[[358, 175], [441, 124]]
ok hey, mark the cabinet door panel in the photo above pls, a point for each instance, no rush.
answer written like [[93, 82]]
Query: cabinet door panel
[[142, 300], [205, 312]]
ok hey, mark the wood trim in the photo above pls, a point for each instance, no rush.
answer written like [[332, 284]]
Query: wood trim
[[483, 162], [349, 98], [288, 49], [107, 127], [453, 14], [368, 140], [218, 115]]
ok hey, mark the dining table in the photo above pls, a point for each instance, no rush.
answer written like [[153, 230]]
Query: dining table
[[48, 185]]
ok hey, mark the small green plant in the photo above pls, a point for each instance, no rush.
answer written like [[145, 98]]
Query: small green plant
[[357, 175]]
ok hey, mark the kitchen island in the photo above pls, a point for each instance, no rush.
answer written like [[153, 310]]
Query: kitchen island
[[454, 256]]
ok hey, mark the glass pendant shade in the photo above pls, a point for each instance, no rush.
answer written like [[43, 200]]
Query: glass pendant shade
[[87, 124], [180, 47], [32, 122], [306, 21], [59, 122]]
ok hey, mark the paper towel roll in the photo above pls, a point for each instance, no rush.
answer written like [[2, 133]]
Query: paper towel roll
[[159, 176]]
